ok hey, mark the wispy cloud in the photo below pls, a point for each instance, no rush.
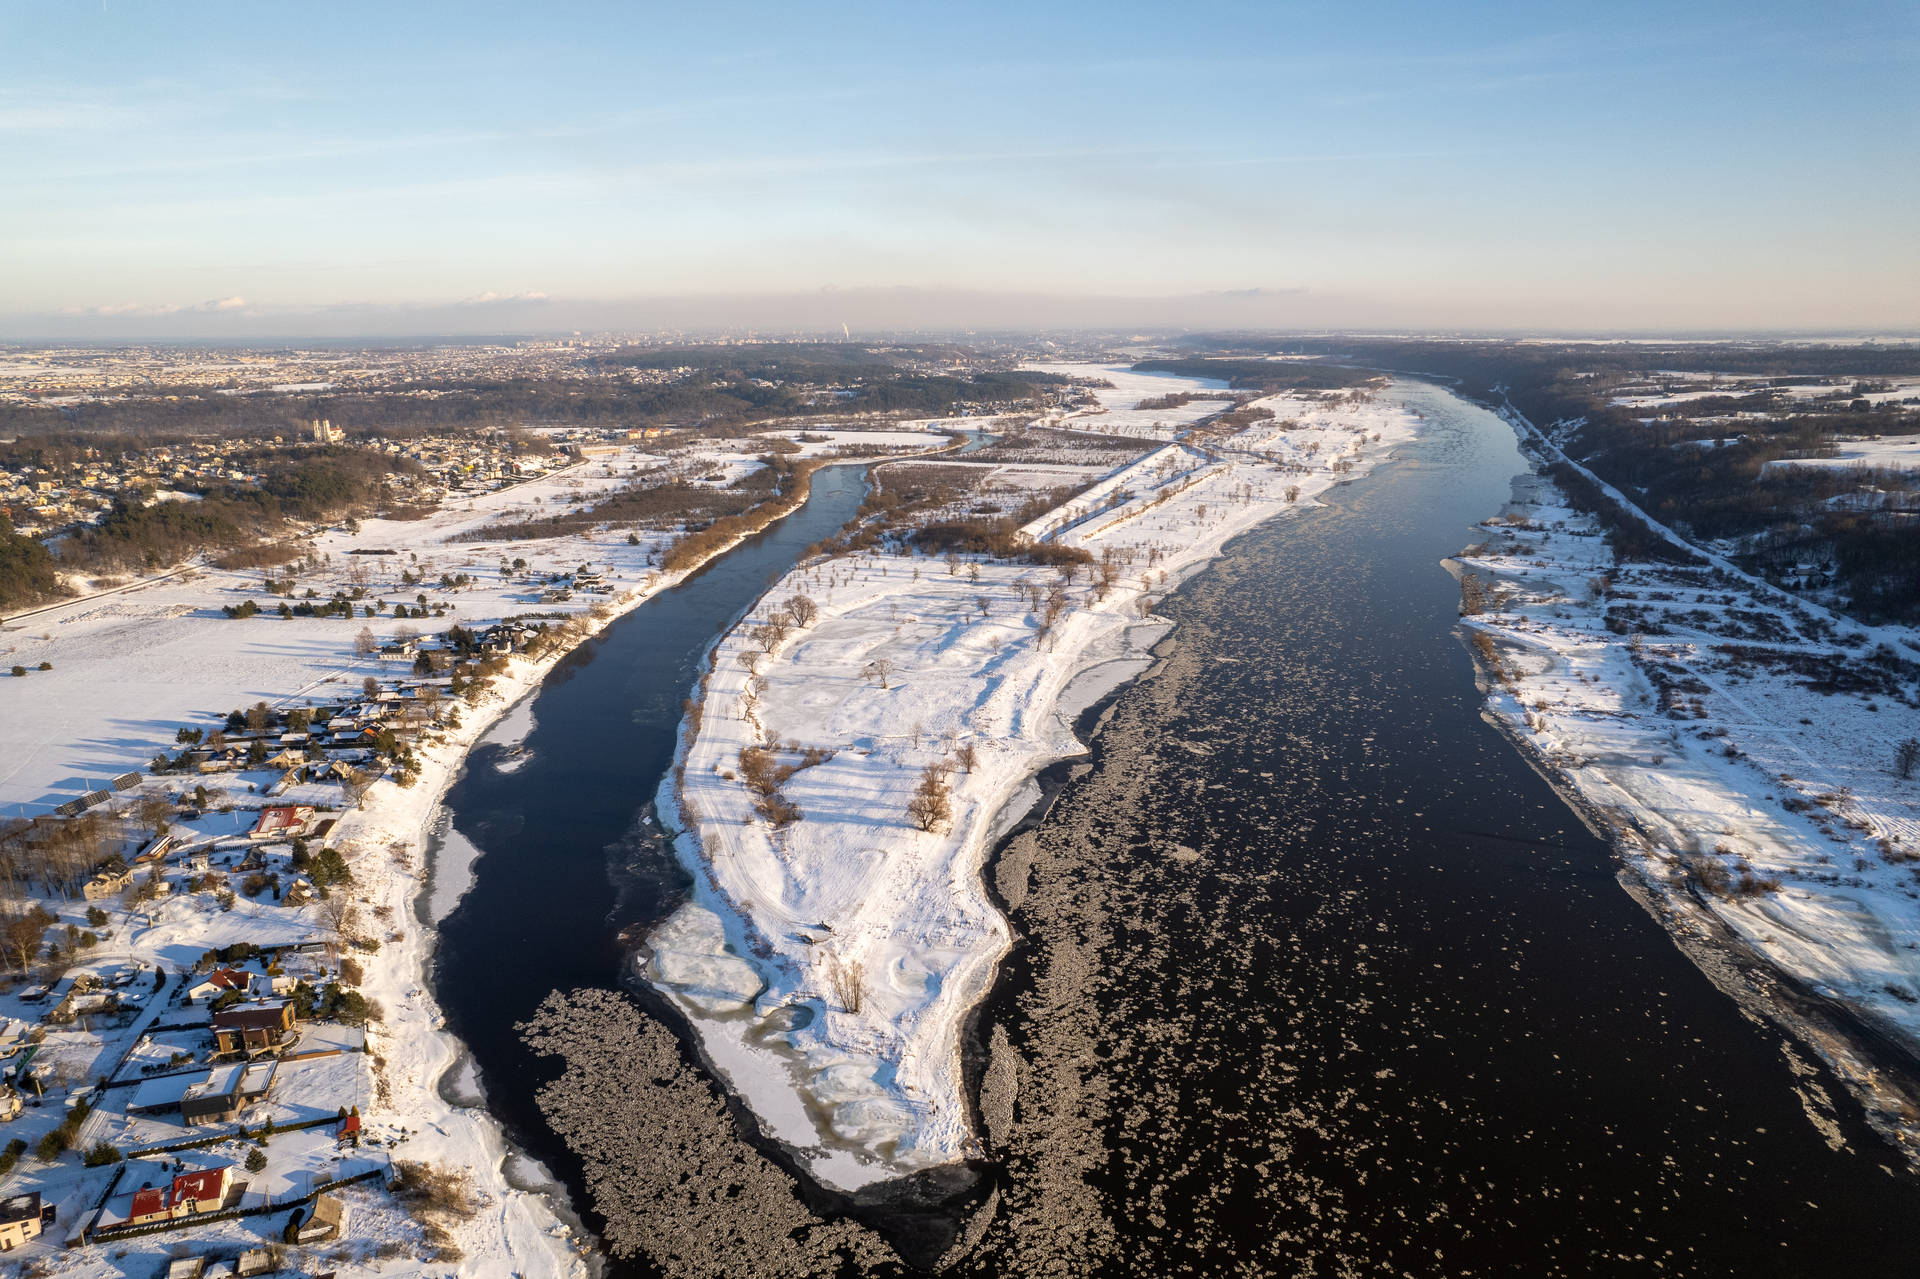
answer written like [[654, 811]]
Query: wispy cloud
[[213, 306], [490, 298]]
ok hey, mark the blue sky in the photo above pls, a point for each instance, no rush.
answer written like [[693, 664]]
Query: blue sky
[[184, 167]]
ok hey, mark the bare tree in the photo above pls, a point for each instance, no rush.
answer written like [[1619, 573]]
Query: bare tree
[[22, 932], [803, 610], [879, 669], [772, 633], [337, 909], [931, 803], [1293, 492], [357, 783], [966, 756], [1906, 755], [364, 644], [848, 980]]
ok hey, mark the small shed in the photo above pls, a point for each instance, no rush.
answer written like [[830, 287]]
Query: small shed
[[327, 1220]]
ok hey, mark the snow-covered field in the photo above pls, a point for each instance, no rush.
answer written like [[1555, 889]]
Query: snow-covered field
[[1899, 391], [129, 668], [814, 441], [1875, 452], [1741, 794], [829, 964], [1118, 412]]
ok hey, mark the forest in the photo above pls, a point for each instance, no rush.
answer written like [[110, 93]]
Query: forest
[[727, 385], [1708, 467], [26, 567], [308, 485]]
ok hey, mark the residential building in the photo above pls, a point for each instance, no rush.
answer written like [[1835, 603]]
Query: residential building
[[21, 1219], [252, 1027], [188, 1194]]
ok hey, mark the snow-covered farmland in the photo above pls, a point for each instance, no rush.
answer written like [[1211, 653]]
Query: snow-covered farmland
[[828, 962]]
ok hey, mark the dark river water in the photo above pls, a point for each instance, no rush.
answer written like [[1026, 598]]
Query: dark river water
[[1317, 975], [541, 912]]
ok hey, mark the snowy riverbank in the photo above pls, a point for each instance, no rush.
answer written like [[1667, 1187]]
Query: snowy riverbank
[[1741, 750], [828, 962]]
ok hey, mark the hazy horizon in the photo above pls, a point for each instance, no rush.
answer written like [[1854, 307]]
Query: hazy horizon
[[219, 171]]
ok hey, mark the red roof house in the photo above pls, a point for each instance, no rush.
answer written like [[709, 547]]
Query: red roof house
[[283, 819], [190, 1192]]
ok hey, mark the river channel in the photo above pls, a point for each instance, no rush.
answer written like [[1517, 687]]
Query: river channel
[[1316, 974]]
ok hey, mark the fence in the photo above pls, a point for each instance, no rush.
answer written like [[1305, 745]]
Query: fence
[[114, 1233]]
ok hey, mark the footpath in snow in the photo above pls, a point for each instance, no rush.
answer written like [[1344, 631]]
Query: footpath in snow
[[833, 947]]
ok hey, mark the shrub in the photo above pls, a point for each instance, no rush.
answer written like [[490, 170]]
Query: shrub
[[46, 666], [19, 671], [101, 1155]]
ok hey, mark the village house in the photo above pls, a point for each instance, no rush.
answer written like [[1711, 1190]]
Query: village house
[[21, 1219], [252, 1027], [105, 884], [188, 1194], [222, 980], [205, 1097], [283, 821]]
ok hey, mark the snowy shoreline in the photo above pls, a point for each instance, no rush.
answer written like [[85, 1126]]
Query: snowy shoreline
[[829, 964], [1750, 812]]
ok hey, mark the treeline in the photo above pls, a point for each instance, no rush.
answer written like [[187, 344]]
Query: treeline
[[1526, 365], [997, 537], [722, 398], [1264, 376], [776, 361], [1629, 536], [787, 481], [26, 568]]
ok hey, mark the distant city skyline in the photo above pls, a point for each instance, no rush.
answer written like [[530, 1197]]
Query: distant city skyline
[[227, 171]]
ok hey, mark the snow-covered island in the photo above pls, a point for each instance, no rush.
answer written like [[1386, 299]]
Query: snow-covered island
[[877, 719], [1745, 749]]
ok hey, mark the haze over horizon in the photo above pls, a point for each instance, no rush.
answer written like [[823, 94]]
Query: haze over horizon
[[222, 171]]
